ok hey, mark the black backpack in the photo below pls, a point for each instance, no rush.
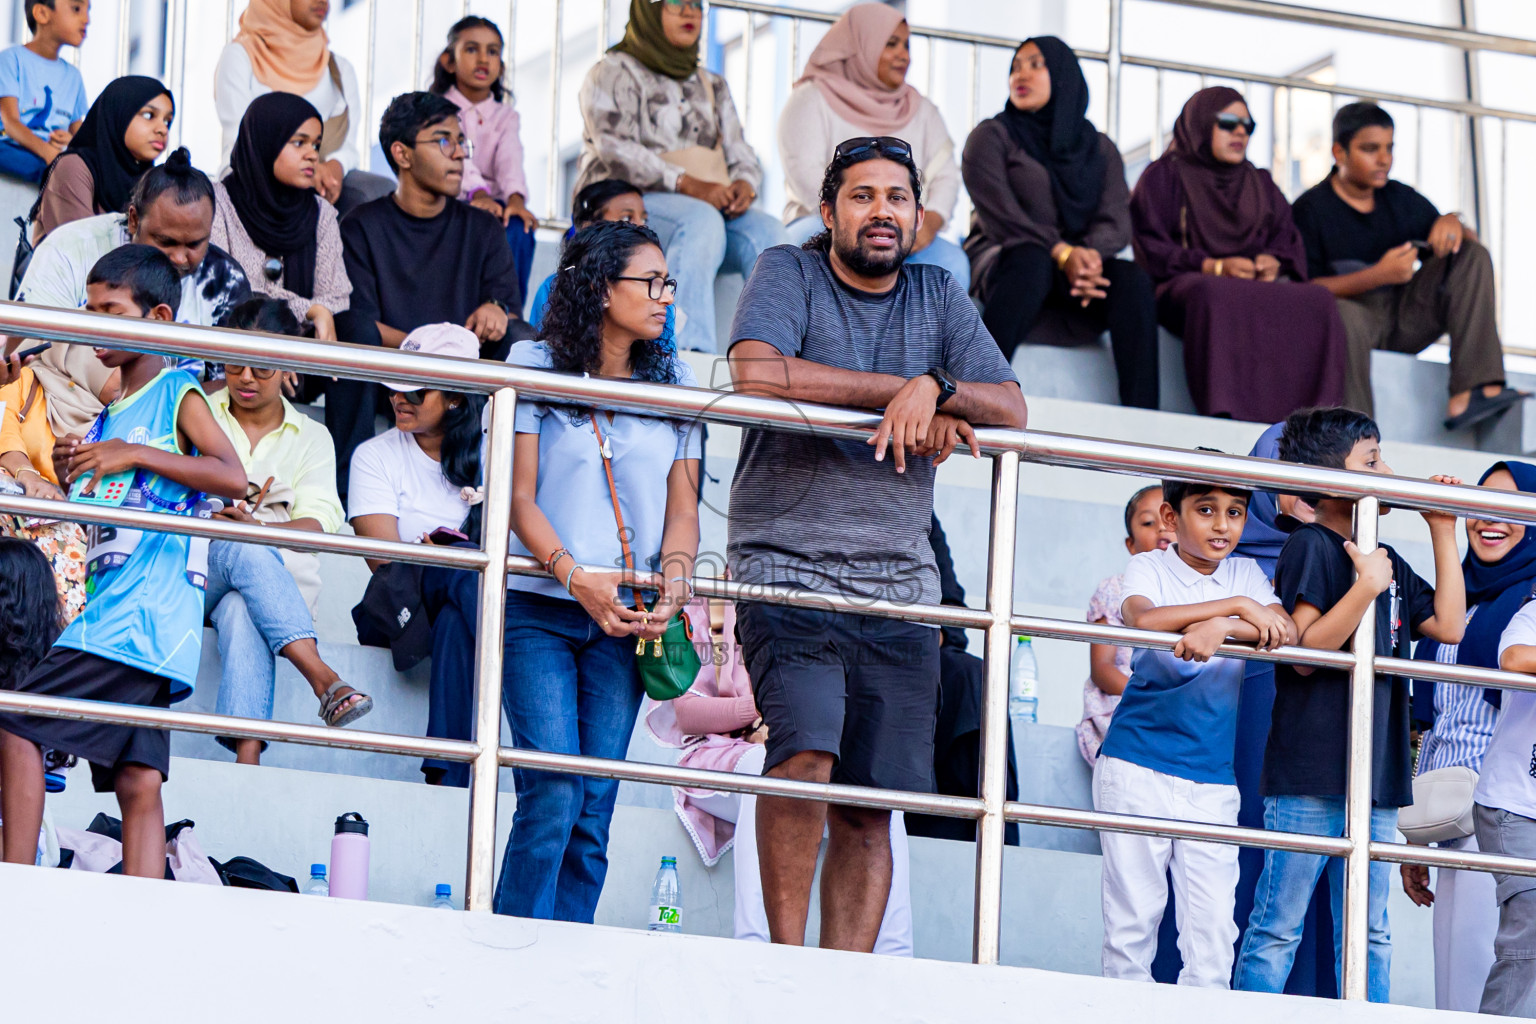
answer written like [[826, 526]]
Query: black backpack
[[245, 873]]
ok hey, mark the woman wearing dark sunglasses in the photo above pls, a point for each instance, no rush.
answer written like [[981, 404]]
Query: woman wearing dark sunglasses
[[1216, 234], [1051, 211]]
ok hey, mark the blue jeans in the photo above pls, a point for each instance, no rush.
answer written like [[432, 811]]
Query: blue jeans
[[1284, 891], [522, 243], [257, 610], [569, 688], [20, 163], [941, 252], [699, 244]]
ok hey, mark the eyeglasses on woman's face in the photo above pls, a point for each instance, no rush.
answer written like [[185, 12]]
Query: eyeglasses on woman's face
[[1232, 122], [685, 6], [416, 397], [655, 286], [233, 371]]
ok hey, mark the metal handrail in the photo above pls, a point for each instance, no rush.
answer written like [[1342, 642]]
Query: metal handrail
[[1008, 448]]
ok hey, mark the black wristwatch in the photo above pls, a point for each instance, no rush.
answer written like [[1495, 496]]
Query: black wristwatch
[[946, 385]]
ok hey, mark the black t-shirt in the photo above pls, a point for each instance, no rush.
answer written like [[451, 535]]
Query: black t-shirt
[[1309, 731], [409, 271], [1333, 230]]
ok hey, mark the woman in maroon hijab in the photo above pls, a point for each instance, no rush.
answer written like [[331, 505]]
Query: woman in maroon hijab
[[1216, 236]]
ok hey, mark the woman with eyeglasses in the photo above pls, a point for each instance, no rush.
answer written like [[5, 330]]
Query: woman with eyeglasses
[[655, 117], [261, 600], [592, 491], [1051, 210], [1216, 235], [268, 216], [854, 84]]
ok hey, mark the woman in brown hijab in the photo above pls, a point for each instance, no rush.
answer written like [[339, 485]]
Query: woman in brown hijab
[[1216, 235]]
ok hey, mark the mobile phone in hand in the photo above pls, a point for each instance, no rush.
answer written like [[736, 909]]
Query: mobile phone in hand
[[36, 350], [446, 537]]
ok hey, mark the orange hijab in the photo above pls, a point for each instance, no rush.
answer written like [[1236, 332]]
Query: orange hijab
[[285, 56]]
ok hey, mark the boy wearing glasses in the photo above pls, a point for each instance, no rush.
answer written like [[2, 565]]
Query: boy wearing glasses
[[1403, 272], [420, 256]]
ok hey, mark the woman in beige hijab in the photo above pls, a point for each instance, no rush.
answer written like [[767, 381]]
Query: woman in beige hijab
[[855, 84], [282, 47]]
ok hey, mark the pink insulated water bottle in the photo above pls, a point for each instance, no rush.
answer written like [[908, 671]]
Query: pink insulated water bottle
[[349, 858]]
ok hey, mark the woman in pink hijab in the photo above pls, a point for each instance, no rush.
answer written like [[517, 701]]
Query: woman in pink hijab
[[855, 84]]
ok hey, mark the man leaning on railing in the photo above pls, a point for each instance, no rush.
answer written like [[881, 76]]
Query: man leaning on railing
[[847, 698]]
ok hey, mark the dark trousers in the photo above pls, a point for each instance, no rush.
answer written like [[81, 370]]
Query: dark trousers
[[452, 598], [1452, 295], [1025, 281]]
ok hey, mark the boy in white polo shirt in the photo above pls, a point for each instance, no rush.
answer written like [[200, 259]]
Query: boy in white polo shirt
[[1169, 750], [1505, 814]]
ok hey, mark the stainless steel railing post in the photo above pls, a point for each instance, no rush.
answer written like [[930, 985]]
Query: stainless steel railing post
[[1357, 799], [1112, 100], [987, 938], [495, 530]]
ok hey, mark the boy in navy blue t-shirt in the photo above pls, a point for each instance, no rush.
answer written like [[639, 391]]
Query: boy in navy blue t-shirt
[[138, 641], [1327, 583], [1169, 750]]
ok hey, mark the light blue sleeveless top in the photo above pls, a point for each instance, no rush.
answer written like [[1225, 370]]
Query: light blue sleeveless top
[[144, 590]]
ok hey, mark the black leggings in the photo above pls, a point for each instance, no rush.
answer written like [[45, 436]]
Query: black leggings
[[1025, 280]]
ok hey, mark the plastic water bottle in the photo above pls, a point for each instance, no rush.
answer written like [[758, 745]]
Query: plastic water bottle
[[1023, 682], [317, 885], [444, 898], [666, 899], [349, 858]]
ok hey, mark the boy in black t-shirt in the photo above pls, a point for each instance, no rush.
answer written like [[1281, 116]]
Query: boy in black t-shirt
[[1363, 235], [1327, 583]]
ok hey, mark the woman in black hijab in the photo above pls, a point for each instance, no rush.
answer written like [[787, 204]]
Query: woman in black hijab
[[269, 217], [122, 135], [1051, 210]]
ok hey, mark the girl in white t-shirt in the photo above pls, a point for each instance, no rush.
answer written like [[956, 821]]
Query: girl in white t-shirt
[[405, 485]]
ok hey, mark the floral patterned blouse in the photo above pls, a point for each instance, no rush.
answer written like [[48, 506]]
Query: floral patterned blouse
[[1098, 706], [631, 115]]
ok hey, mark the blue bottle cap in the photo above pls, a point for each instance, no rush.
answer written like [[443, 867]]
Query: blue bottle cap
[[669, 862], [317, 869], [444, 890]]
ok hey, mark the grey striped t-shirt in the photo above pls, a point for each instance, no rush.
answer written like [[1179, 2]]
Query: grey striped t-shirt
[[821, 513]]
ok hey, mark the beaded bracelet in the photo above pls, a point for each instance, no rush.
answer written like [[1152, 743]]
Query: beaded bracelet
[[550, 562]]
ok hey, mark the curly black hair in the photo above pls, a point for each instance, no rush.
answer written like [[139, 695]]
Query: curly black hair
[[29, 610], [572, 328]]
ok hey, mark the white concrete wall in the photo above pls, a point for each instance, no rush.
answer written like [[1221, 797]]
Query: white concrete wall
[[156, 950]]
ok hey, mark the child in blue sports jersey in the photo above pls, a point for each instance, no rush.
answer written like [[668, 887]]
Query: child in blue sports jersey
[[139, 638]]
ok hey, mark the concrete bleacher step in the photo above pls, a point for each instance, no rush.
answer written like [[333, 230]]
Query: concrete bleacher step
[[283, 818]]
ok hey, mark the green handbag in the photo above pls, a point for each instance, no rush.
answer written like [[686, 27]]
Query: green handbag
[[673, 662]]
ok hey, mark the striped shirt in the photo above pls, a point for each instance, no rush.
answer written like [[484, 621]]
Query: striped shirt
[[821, 513], [1464, 723]]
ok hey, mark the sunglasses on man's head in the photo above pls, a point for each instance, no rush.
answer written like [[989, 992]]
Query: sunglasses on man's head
[[886, 145], [1231, 123]]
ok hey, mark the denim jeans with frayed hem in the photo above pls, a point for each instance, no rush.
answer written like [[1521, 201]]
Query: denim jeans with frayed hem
[[1285, 889], [567, 688]]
